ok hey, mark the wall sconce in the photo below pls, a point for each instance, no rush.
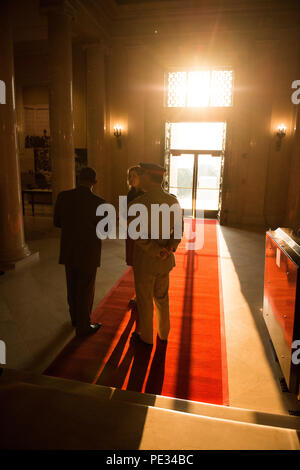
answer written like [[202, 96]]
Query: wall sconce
[[117, 131], [281, 133]]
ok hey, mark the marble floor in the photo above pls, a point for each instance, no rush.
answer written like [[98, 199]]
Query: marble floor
[[253, 372], [34, 319]]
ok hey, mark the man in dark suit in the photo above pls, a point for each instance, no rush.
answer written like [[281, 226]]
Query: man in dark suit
[[80, 248]]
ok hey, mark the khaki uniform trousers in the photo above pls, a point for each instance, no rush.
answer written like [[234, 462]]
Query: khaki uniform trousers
[[150, 286]]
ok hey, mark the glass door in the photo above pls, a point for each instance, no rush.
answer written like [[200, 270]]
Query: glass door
[[182, 180], [208, 184], [194, 160], [195, 180]]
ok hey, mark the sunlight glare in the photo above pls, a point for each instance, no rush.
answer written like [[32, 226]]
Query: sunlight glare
[[198, 89], [197, 135]]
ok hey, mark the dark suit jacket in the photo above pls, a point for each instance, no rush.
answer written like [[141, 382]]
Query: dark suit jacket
[[75, 214]]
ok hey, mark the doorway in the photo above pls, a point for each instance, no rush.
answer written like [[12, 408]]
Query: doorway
[[195, 158]]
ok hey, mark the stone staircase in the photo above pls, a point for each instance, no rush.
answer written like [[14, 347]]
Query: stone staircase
[[41, 412]]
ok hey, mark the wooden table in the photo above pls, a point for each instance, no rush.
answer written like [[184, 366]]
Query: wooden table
[[34, 194]]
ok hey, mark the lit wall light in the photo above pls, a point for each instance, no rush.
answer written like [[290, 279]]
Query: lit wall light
[[281, 133], [117, 131]]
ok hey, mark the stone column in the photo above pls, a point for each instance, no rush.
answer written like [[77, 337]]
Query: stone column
[[12, 243], [20, 119], [61, 105], [136, 104], [96, 112]]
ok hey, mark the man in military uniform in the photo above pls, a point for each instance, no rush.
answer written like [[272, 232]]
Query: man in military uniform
[[154, 258]]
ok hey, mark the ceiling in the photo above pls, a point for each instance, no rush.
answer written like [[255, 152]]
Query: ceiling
[[201, 5], [194, 3], [127, 2]]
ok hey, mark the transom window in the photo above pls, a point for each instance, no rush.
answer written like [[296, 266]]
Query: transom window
[[202, 88]]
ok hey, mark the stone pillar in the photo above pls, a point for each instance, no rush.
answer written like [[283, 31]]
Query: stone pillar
[[137, 78], [12, 243], [96, 112], [61, 105], [20, 119]]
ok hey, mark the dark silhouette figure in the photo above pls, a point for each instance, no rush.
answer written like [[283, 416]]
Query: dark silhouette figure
[[80, 248]]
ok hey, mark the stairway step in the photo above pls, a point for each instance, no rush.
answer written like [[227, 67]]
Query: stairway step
[[204, 409], [208, 409], [37, 416]]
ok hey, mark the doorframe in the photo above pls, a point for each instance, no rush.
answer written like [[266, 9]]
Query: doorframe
[[224, 177], [221, 212]]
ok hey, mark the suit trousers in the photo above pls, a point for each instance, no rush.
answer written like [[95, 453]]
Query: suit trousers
[[149, 287], [81, 291]]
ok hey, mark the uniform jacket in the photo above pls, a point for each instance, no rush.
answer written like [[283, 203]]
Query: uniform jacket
[[132, 194], [146, 252], [75, 214]]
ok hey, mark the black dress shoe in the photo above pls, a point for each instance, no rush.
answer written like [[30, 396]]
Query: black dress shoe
[[135, 338], [91, 330], [161, 341], [95, 326], [132, 303]]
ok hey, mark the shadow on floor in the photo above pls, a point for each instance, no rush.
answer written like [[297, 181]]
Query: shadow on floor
[[239, 243], [36, 418], [135, 357], [38, 362]]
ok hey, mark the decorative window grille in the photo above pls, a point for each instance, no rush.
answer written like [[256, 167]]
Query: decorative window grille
[[176, 89], [204, 88], [221, 88]]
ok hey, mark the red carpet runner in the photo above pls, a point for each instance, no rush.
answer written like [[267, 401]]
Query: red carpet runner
[[193, 366]]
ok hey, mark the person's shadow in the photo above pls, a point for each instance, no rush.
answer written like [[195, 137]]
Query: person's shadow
[[142, 355], [157, 371], [114, 374]]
